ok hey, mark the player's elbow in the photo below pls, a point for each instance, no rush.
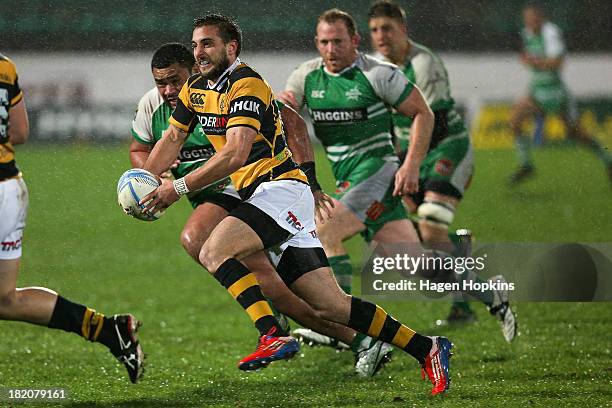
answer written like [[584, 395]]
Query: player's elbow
[[175, 135], [18, 124], [235, 158], [18, 135], [426, 116]]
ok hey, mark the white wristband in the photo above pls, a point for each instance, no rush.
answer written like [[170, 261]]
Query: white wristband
[[180, 186]]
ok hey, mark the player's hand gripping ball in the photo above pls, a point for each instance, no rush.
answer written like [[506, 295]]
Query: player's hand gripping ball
[[133, 185]]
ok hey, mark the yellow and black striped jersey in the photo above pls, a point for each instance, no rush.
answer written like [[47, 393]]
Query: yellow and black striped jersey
[[240, 97], [10, 95]]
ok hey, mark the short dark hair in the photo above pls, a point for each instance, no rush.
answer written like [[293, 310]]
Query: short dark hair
[[332, 15], [228, 28], [172, 53], [387, 8]]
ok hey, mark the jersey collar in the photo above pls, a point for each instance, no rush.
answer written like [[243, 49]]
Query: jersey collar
[[222, 80], [337, 74]]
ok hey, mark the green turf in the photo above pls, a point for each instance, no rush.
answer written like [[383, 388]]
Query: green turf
[[79, 243]]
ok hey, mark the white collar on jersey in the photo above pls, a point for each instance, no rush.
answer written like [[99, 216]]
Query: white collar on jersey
[[224, 76]]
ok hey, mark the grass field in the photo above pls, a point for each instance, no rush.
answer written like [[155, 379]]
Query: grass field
[[79, 243]]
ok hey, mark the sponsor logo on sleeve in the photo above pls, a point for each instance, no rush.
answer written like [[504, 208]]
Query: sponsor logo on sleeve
[[242, 106]]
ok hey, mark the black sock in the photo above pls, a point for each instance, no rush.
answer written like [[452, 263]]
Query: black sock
[[81, 320], [243, 286], [371, 319], [418, 347]]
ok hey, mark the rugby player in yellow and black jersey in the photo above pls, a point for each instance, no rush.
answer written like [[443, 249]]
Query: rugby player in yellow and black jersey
[[39, 305], [277, 208], [236, 110]]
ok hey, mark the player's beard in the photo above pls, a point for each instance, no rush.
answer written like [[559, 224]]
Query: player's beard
[[219, 67]]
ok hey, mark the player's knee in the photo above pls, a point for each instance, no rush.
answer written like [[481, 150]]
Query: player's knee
[[332, 311], [210, 258], [435, 217], [8, 301], [191, 243]]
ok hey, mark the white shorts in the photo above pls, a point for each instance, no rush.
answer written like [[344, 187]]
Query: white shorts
[[13, 211], [291, 205]]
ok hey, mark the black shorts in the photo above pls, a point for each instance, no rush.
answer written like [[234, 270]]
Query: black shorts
[[296, 262]]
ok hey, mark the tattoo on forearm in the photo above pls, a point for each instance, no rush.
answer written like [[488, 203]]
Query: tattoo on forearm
[[178, 133]]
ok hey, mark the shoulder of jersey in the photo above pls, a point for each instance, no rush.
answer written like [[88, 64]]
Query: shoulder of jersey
[[193, 80], [7, 61], [367, 63], [311, 64], [243, 71], [378, 56], [152, 99], [421, 49], [422, 54], [8, 70]]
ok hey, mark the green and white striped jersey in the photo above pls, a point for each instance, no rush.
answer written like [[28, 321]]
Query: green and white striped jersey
[[426, 69], [351, 110], [151, 121], [548, 43]]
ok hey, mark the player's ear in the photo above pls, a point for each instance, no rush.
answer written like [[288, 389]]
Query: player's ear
[[316, 41], [356, 39], [232, 48]]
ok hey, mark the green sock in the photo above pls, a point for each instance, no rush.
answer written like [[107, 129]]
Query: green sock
[[282, 319], [523, 150], [341, 265]]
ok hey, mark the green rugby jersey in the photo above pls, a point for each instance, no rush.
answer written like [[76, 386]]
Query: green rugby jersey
[[350, 110], [426, 69], [151, 121], [548, 43]]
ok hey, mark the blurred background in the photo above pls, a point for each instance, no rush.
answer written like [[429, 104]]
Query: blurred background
[[84, 65]]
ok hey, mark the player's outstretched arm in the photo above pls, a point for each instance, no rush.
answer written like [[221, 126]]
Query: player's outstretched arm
[[166, 150], [301, 148], [226, 161], [139, 153], [19, 126], [297, 135], [407, 177]]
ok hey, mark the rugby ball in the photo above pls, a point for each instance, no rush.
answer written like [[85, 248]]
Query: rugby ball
[[133, 185]]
